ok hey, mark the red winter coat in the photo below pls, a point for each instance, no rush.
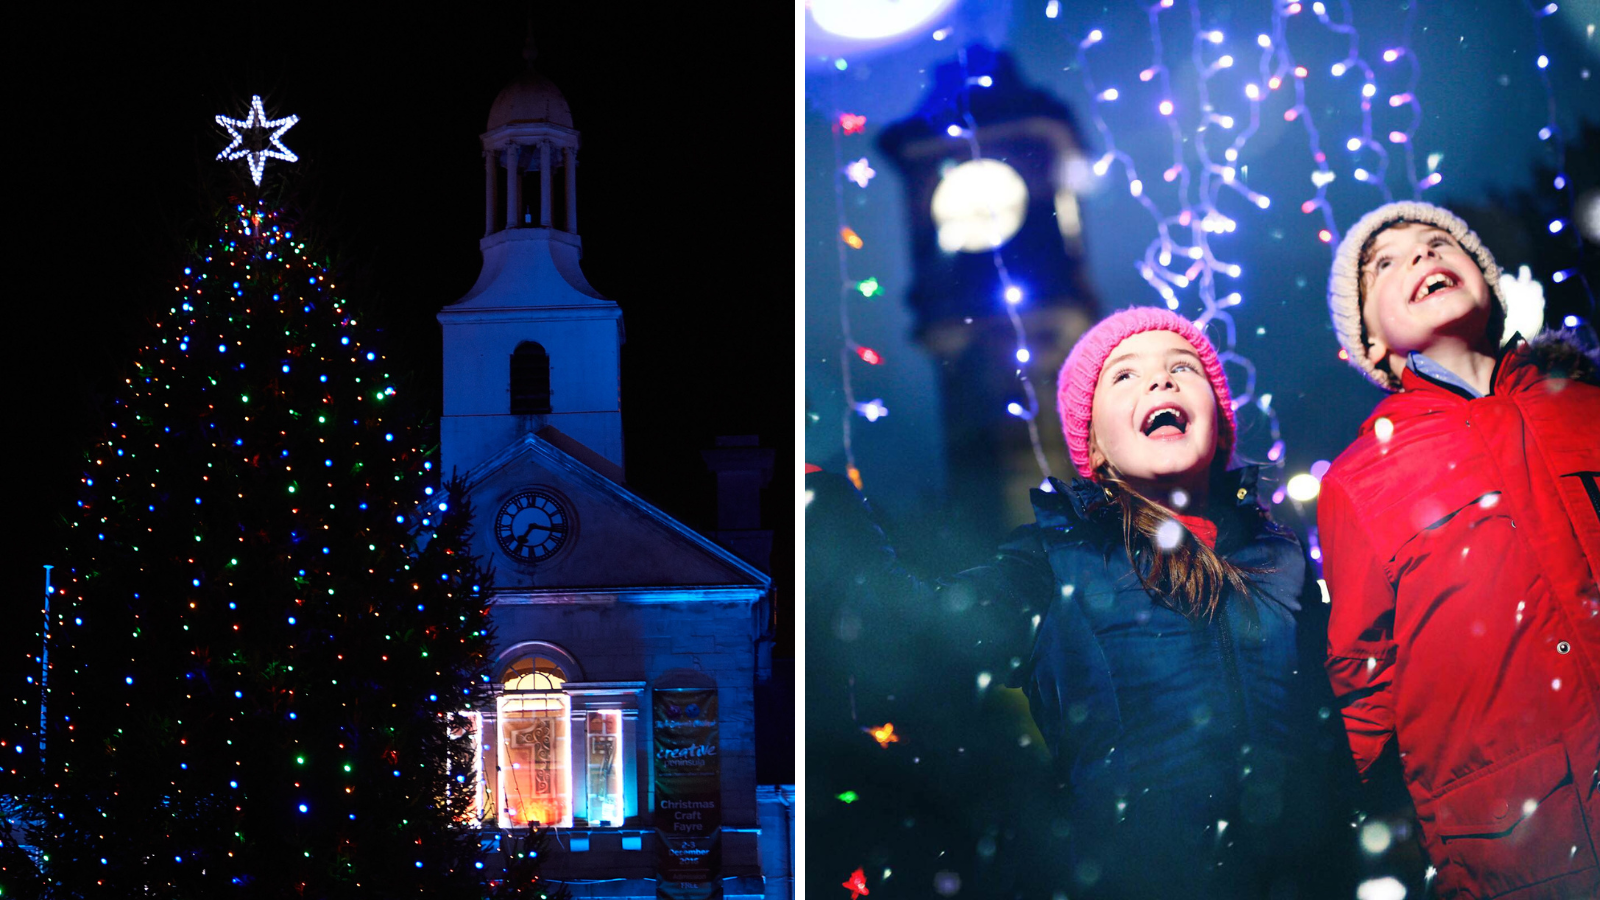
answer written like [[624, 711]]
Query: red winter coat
[[1460, 540]]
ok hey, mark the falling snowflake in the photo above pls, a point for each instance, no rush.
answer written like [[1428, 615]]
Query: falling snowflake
[[1169, 535]]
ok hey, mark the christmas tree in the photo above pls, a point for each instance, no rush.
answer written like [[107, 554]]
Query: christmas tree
[[267, 619]]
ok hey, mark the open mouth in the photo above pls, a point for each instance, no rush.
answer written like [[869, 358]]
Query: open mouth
[[1434, 282], [1165, 421]]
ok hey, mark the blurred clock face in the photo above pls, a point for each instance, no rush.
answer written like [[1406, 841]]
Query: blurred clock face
[[533, 525], [978, 206]]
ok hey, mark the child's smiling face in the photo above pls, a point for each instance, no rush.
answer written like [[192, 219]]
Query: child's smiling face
[[1420, 287], [1155, 415]]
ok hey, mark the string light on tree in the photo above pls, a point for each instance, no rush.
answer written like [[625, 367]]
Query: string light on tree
[[271, 597]]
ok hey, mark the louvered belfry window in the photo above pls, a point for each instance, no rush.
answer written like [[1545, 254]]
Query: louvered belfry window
[[530, 380]]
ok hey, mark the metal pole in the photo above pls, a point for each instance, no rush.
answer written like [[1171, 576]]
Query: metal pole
[[44, 668]]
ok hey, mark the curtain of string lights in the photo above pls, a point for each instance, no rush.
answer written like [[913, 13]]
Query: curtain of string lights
[[1230, 81]]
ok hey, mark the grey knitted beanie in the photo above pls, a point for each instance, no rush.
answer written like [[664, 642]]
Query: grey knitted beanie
[[1344, 282]]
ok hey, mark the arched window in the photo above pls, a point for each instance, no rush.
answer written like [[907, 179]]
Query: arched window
[[530, 380], [535, 745], [558, 749]]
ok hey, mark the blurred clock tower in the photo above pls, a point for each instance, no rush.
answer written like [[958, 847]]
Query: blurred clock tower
[[1018, 201]]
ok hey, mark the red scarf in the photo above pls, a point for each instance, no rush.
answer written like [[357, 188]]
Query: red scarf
[[1203, 529]]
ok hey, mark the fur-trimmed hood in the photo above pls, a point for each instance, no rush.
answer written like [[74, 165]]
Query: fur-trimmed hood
[[1561, 353]]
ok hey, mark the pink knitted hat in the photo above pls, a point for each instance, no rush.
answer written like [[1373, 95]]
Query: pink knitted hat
[[1081, 372]]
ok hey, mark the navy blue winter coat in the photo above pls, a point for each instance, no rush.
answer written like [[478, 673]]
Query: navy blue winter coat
[[1193, 752], [1192, 758]]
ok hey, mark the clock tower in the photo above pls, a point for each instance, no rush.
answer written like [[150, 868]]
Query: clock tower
[[620, 695], [532, 344]]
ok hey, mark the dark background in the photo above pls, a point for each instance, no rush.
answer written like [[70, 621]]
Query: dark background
[[112, 139]]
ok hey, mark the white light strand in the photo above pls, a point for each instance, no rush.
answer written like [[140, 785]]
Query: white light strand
[[1012, 294], [1552, 132], [257, 120]]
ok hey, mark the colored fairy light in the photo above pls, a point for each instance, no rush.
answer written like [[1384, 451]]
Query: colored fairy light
[[1252, 91], [849, 236], [883, 734], [257, 120], [1398, 137], [851, 123], [1369, 90], [856, 884], [1263, 41], [1339, 69], [1013, 294], [1390, 56], [1353, 144], [869, 356], [1108, 94], [1543, 61], [869, 287], [872, 410], [1052, 9], [1023, 355], [1165, 107], [1556, 225], [860, 172], [1016, 409], [953, 131]]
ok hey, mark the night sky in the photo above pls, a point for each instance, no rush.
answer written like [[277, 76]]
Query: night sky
[[682, 131]]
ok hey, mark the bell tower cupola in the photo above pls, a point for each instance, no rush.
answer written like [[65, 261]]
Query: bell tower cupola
[[532, 344]]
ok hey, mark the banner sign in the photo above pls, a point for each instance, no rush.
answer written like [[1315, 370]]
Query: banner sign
[[688, 860], [688, 782]]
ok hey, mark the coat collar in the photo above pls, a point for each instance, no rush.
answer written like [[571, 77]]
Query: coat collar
[[1413, 379], [1068, 506]]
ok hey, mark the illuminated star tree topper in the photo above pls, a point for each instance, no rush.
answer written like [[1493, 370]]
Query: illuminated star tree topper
[[257, 138]]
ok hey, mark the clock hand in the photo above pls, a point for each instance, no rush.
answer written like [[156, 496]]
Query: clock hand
[[524, 537]]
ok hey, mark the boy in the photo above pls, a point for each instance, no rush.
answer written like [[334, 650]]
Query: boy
[[1461, 539]]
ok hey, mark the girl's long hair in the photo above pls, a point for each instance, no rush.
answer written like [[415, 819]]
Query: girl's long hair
[[1190, 578]]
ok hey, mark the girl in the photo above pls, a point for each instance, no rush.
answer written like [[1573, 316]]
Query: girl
[[1165, 672]]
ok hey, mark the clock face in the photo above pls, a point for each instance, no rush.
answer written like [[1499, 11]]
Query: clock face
[[533, 525], [979, 205]]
